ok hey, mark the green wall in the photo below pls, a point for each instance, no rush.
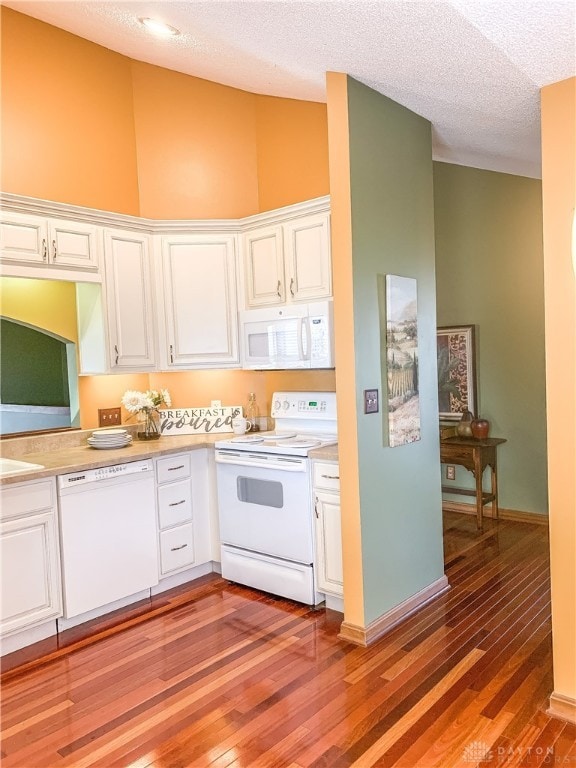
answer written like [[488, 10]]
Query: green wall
[[393, 233], [489, 272]]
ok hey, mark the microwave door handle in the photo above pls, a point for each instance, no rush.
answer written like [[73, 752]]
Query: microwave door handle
[[304, 326]]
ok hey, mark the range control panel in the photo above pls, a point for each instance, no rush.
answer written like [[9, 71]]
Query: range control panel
[[303, 405]]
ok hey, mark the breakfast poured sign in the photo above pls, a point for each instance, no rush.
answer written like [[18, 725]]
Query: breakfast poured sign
[[189, 421]]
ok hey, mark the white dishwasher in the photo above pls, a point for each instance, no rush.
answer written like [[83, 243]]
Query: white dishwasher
[[108, 535]]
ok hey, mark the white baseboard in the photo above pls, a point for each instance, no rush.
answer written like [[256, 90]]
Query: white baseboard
[[562, 707], [177, 579], [367, 635], [26, 637]]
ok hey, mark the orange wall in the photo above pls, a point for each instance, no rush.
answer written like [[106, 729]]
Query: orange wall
[[196, 146], [292, 141], [100, 130], [342, 267], [67, 120], [559, 201]]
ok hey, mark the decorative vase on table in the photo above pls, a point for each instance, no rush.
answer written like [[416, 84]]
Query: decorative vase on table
[[464, 428], [480, 428], [150, 425]]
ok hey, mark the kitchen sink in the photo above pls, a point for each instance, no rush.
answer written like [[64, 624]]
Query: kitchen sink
[[13, 466]]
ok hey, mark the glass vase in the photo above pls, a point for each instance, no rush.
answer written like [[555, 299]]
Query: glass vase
[[149, 425]]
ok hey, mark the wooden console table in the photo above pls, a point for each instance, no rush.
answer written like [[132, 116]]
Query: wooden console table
[[474, 454]]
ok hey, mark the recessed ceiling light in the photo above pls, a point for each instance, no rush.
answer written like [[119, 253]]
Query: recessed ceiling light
[[159, 28]]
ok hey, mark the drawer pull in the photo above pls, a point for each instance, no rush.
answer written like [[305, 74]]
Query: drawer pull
[[176, 503], [278, 290], [175, 549], [331, 477], [173, 469]]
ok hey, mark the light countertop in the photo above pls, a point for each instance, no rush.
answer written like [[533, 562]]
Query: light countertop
[[74, 458]]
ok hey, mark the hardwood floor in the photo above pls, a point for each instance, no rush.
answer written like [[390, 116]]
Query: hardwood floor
[[225, 677]]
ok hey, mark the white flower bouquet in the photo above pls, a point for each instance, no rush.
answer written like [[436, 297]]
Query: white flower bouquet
[[146, 405]]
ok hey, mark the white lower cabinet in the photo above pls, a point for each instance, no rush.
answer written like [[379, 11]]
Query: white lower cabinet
[[326, 490], [30, 561], [183, 511]]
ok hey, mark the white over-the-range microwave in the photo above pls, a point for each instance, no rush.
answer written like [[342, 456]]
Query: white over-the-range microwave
[[293, 336]]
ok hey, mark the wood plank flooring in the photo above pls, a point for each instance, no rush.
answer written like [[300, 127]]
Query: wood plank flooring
[[221, 676]]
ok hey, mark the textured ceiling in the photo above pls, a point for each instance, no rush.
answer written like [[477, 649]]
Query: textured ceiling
[[474, 68]]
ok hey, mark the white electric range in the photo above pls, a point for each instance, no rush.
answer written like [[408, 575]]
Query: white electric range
[[265, 497]]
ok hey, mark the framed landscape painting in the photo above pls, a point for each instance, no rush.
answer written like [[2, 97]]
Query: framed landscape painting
[[401, 356], [456, 371]]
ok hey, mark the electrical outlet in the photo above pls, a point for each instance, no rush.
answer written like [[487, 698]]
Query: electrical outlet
[[109, 417], [450, 472], [370, 401]]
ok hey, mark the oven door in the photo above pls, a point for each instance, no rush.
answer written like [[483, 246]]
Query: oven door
[[265, 504]]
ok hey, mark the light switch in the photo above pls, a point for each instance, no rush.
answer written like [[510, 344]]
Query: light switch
[[370, 401]]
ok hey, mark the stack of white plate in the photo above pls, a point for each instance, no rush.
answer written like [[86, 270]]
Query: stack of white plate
[[110, 438]]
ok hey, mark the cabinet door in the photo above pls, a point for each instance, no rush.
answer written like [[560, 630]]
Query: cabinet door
[[129, 301], [264, 267], [23, 238], [73, 244], [307, 257], [328, 542], [199, 281], [30, 571]]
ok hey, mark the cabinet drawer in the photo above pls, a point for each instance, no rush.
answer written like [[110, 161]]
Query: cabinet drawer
[[173, 468], [174, 503], [327, 476], [24, 498], [176, 548]]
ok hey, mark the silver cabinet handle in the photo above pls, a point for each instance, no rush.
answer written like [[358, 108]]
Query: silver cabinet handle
[[44, 249], [117, 354], [54, 250], [171, 353], [171, 469], [331, 477], [176, 503], [278, 289], [292, 286], [316, 506], [175, 549]]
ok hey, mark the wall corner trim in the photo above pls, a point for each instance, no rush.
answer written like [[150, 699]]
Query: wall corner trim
[[562, 707], [367, 635]]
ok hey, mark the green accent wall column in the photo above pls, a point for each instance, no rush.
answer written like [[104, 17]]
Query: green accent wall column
[[490, 273], [392, 215]]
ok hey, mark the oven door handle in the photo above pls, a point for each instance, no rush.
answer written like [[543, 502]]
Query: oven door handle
[[285, 464]]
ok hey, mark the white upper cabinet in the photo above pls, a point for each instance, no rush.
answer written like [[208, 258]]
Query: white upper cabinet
[[307, 255], [35, 240], [288, 262], [200, 306], [264, 266], [129, 301]]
